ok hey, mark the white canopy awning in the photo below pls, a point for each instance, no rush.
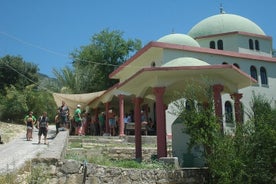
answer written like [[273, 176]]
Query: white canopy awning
[[72, 100]]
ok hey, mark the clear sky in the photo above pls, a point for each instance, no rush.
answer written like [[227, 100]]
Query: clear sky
[[45, 32]]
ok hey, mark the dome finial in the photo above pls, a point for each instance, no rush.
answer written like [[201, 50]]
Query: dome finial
[[221, 11]]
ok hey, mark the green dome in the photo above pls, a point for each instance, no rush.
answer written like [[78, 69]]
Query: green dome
[[185, 61], [224, 23], [180, 39]]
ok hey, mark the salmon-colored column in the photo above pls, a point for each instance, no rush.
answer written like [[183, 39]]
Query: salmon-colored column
[[217, 89], [237, 104], [160, 122], [96, 112], [121, 106], [106, 117], [137, 120]]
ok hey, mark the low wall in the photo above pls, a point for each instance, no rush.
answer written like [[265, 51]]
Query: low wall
[[56, 151], [70, 172], [61, 171]]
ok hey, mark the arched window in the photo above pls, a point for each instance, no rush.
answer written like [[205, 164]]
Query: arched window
[[236, 65], [220, 44], [225, 63], [212, 45], [257, 45], [263, 76], [253, 73], [189, 105], [153, 64], [251, 46], [228, 112]]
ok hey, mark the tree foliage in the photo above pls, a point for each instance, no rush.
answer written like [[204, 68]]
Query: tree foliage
[[247, 156], [195, 108], [94, 62], [21, 90], [68, 80], [15, 71]]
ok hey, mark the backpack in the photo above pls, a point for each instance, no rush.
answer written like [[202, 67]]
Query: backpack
[[43, 121]]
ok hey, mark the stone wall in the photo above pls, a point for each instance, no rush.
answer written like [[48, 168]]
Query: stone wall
[[70, 172], [57, 170]]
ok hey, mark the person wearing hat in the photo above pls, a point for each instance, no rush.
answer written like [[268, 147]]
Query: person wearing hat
[[77, 119]]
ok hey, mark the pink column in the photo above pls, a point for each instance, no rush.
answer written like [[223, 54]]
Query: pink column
[[97, 118], [137, 120], [217, 89], [106, 117], [237, 104], [160, 122], [121, 106]]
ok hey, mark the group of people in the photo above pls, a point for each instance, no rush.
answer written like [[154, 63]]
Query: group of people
[[41, 124], [80, 123]]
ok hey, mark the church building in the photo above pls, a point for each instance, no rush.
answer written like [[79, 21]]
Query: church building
[[230, 50]]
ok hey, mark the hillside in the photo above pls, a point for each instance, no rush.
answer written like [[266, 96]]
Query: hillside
[[9, 131]]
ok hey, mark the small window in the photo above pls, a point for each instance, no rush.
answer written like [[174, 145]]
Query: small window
[[253, 73], [257, 45], [220, 44], [236, 65], [190, 105], [263, 76], [212, 45], [228, 112], [153, 64], [225, 63], [251, 46]]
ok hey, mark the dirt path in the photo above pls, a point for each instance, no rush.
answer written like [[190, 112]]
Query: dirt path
[[18, 150]]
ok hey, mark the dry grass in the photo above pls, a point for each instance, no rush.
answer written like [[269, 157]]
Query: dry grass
[[9, 131]]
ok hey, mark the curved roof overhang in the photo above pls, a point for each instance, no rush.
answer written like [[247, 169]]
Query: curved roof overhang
[[173, 78]]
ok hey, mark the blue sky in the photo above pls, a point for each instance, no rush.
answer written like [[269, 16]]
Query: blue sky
[[45, 32]]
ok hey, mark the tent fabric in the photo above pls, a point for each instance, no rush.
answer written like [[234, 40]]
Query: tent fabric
[[72, 100]]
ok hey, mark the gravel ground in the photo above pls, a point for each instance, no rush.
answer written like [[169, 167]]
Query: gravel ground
[[16, 150], [10, 131]]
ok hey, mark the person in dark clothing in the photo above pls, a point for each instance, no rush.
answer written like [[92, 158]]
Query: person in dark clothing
[[43, 127]]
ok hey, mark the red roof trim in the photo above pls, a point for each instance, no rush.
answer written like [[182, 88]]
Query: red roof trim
[[107, 91], [192, 49], [206, 67], [139, 53]]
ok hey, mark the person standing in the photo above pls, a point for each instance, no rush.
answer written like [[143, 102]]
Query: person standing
[[64, 113], [57, 121], [43, 127], [77, 119], [32, 120], [112, 123], [102, 122]]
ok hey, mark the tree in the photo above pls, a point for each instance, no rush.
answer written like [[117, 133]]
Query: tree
[[94, 62], [13, 104], [246, 156], [16, 103], [15, 71], [67, 79], [194, 105]]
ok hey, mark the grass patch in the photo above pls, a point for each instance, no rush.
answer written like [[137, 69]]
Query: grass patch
[[29, 173], [77, 144], [109, 162]]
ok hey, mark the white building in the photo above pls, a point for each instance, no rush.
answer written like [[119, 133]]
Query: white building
[[231, 50]]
